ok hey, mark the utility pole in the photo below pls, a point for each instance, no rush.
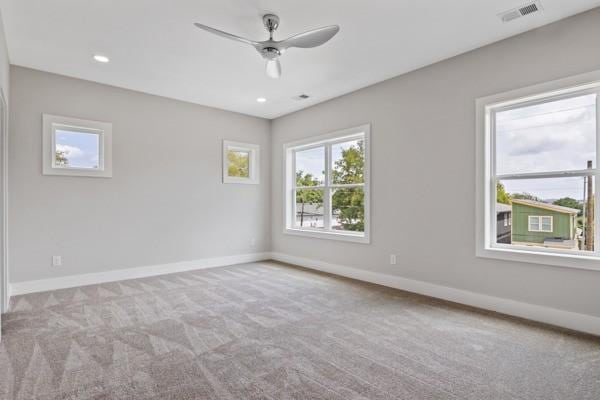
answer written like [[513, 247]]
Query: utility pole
[[589, 213]]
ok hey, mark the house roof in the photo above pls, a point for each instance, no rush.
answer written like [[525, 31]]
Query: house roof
[[500, 207], [546, 206]]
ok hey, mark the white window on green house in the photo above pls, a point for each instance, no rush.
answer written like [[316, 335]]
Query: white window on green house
[[327, 186], [540, 224], [539, 153]]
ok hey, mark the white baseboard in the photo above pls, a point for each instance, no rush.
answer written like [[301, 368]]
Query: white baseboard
[[566, 319], [64, 282]]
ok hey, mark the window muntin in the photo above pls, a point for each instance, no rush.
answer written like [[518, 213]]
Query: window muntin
[[327, 186], [544, 152]]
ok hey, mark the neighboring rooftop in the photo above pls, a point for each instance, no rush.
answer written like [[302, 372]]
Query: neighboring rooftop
[[547, 206], [500, 207]]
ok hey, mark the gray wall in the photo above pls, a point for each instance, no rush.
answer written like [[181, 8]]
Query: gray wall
[[165, 202], [423, 160]]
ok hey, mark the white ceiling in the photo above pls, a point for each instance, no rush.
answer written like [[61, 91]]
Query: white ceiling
[[154, 47]]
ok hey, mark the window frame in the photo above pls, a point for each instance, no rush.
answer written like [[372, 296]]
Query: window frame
[[289, 184], [52, 123], [253, 151], [486, 178]]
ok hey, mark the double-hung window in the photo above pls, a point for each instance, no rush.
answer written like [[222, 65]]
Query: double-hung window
[[538, 156], [327, 186]]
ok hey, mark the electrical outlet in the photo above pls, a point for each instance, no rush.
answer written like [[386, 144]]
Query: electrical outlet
[[56, 261], [253, 242], [392, 259]]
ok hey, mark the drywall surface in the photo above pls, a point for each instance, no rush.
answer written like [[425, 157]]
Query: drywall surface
[[423, 168], [165, 202]]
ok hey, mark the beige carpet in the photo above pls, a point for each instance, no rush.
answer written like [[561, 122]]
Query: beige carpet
[[269, 331]]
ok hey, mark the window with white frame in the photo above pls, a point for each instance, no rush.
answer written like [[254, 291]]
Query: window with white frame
[[241, 162], [539, 155], [76, 147], [327, 186], [540, 223]]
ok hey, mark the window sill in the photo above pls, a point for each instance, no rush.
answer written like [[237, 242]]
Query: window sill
[[344, 237], [523, 254]]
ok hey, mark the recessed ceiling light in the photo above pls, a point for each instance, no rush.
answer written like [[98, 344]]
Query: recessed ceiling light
[[101, 58], [261, 99]]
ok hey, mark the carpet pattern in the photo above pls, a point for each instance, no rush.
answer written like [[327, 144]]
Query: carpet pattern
[[270, 331]]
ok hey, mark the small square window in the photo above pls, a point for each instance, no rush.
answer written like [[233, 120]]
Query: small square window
[[240, 162], [76, 147]]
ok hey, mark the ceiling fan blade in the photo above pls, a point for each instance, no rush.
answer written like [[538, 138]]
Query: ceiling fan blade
[[273, 68], [226, 35], [313, 38]]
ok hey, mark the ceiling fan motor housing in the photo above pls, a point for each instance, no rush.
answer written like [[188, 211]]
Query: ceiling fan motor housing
[[270, 53]]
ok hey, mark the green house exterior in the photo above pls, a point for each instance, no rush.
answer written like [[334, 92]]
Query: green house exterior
[[563, 231]]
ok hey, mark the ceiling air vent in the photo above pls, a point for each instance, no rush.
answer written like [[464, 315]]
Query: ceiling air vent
[[526, 9], [301, 97]]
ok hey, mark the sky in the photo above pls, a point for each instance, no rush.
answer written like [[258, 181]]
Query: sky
[[313, 160], [80, 148], [555, 136]]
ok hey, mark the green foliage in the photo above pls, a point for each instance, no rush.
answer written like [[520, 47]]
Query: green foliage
[[349, 204], [571, 203], [501, 195], [238, 164], [61, 158], [307, 196], [524, 196]]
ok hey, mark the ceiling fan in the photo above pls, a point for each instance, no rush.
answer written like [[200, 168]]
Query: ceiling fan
[[272, 49]]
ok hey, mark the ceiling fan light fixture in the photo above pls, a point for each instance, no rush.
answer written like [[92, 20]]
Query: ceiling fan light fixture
[[273, 68]]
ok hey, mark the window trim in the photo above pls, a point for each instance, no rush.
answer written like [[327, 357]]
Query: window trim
[[540, 223], [484, 169], [289, 187], [52, 123], [254, 162]]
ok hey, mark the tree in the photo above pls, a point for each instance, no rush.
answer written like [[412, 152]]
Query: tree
[[349, 204], [307, 196], [61, 158], [501, 195], [524, 196], [571, 203], [238, 164]]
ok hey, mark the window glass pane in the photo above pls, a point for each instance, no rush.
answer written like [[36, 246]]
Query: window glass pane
[[348, 207], [310, 167], [534, 224], [555, 213], [238, 163], [309, 208], [347, 162], [76, 149], [554, 136]]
